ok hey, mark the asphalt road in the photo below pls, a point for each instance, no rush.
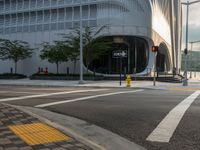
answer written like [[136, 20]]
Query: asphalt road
[[131, 113]]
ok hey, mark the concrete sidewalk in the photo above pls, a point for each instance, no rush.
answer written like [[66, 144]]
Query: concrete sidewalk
[[20, 131], [99, 84]]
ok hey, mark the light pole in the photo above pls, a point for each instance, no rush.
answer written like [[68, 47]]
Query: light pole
[[185, 80], [81, 45]]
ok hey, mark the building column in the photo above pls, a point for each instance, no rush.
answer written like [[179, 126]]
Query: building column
[[172, 33]]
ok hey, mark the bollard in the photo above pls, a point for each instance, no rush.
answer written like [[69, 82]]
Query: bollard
[[46, 70], [11, 70], [128, 81], [67, 70]]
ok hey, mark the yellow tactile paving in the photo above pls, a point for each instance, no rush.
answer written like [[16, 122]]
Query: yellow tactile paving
[[38, 133]]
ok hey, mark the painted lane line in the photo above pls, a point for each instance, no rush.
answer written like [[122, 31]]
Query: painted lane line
[[49, 94], [86, 98], [18, 92], [165, 130]]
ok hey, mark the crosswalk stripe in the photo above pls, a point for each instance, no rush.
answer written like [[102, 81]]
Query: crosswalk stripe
[[49, 94], [165, 130], [86, 98]]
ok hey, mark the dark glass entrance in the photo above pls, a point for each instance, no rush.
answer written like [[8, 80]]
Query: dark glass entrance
[[135, 62], [160, 62]]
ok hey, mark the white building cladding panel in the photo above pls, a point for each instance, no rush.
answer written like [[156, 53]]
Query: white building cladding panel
[[36, 21]]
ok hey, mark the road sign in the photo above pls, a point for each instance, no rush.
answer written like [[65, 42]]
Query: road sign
[[120, 54]]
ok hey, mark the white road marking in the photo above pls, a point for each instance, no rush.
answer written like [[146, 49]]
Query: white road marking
[[86, 98], [48, 94], [165, 130], [18, 92]]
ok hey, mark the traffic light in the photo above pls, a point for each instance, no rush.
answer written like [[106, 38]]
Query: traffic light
[[154, 49]]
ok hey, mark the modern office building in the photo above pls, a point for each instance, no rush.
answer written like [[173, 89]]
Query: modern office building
[[133, 25]]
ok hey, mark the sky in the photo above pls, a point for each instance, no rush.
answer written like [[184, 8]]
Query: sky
[[194, 24]]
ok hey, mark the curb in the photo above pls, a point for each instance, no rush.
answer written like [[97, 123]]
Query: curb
[[61, 128], [88, 134], [86, 86]]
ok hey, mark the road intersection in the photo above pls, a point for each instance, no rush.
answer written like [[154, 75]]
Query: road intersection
[[154, 119]]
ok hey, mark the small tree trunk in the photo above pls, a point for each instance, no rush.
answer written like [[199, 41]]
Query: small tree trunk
[[15, 67], [57, 68], [74, 71]]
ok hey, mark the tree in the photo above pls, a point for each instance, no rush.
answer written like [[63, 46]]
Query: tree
[[94, 47], [14, 51], [52, 53], [65, 49], [73, 42]]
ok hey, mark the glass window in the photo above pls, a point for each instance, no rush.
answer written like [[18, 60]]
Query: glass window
[[85, 24], [77, 1], [7, 20], [54, 15], [26, 4], [39, 16], [76, 24], [1, 20], [61, 14], [53, 2], [13, 5], [46, 16], [68, 15], [137, 55], [1, 6], [20, 19], [1, 30], [46, 3], [20, 5], [76, 13], [26, 18], [32, 28], [7, 5], [68, 25], [61, 2], [46, 27], [39, 3], [93, 11], [39, 27], [68, 1], [25, 28], [33, 3], [54, 26], [85, 12], [19, 29], [92, 23], [13, 30], [14, 19], [61, 26], [33, 17], [7, 30]]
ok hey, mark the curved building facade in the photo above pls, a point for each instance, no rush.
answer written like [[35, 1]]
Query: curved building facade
[[133, 25]]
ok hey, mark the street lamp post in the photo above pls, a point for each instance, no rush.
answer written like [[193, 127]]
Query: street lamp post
[[81, 44], [185, 80]]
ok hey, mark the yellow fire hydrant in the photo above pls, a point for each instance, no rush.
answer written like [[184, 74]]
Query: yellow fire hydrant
[[128, 81]]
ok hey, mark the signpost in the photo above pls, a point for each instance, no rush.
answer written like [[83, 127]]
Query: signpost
[[120, 54], [154, 50]]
